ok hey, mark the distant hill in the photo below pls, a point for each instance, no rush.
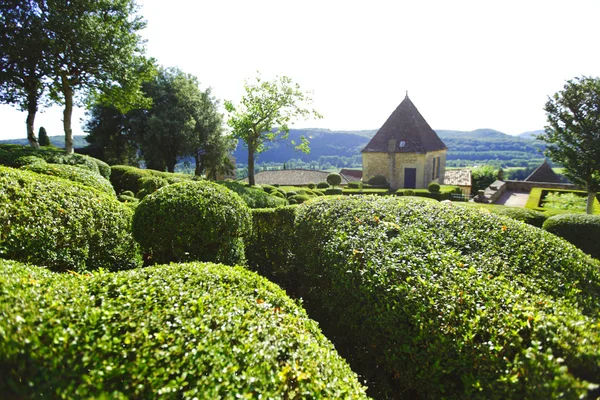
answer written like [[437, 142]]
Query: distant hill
[[530, 135], [57, 141]]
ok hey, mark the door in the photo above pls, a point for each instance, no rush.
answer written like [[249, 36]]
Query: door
[[410, 178]]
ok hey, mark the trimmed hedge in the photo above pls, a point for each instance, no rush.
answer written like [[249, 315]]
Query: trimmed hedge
[[434, 300], [12, 155], [126, 177], [191, 221], [270, 246], [172, 331], [73, 173], [583, 230], [536, 195], [255, 197], [63, 225], [530, 217]]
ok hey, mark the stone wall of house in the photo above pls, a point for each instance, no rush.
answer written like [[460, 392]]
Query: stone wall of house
[[526, 186], [392, 166]]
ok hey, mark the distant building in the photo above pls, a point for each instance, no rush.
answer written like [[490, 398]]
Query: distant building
[[406, 151], [543, 173], [351, 175], [291, 177]]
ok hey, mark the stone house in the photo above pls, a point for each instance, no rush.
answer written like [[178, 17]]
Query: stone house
[[406, 151]]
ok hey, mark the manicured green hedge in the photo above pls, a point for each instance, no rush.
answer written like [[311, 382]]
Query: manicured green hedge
[[189, 221], [182, 331], [531, 217], [12, 155], [583, 230], [536, 196], [270, 247], [254, 197], [433, 300], [72, 173], [63, 225], [126, 177]]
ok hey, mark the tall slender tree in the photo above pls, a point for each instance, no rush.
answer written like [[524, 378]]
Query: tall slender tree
[[264, 114], [23, 69], [573, 133]]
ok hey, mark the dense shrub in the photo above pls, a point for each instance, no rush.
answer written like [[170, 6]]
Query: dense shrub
[[298, 199], [150, 184], [355, 185], [434, 187], [270, 246], [378, 180], [334, 179], [125, 177], [269, 188], [175, 331], [322, 185], [132, 180], [255, 197], [312, 185], [583, 230], [434, 300], [290, 193], [333, 191], [191, 220], [72, 173], [63, 225], [530, 217], [123, 198], [27, 160]]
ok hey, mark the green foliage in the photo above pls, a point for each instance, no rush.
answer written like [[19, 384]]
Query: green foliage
[[379, 180], [531, 217], [537, 201], [264, 113], [150, 184], [482, 177], [63, 225], [255, 197], [564, 201], [72, 173], [43, 138], [573, 132], [187, 221], [312, 185], [322, 185], [334, 179], [583, 230], [298, 199], [270, 247], [333, 191], [434, 187], [450, 302], [128, 178], [174, 331], [27, 160]]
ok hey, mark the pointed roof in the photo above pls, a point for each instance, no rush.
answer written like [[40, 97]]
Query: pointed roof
[[412, 134], [543, 173]]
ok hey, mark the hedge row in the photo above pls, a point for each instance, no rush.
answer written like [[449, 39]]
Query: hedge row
[[172, 331], [11, 153], [63, 225], [255, 197], [72, 173], [125, 177], [582, 230], [192, 220], [270, 248], [433, 301], [531, 217]]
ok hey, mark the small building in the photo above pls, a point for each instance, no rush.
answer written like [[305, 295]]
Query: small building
[[406, 151], [543, 173], [460, 178], [291, 177]]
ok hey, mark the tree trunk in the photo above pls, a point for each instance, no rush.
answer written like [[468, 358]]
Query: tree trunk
[[250, 165], [198, 170], [590, 202], [31, 111], [68, 93]]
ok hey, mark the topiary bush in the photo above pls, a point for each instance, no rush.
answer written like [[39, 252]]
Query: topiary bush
[[255, 197], [322, 185], [298, 199], [531, 217], [150, 184], [334, 179], [73, 173], [195, 220], [438, 301], [63, 225], [312, 185], [333, 191], [379, 181], [434, 187], [582, 230], [27, 160], [180, 331]]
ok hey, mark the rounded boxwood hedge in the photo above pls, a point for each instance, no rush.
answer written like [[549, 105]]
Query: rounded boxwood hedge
[[255, 197], [582, 230], [438, 301], [175, 331], [73, 173], [194, 220], [63, 225]]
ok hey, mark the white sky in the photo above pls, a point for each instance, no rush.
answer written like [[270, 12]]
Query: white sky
[[466, 64]]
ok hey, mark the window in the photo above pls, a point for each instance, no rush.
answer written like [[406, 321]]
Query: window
[[433, 169], [438, 167], [401, 144]]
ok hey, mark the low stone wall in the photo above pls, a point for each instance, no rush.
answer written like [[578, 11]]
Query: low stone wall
[[493, 192], [526, 186]]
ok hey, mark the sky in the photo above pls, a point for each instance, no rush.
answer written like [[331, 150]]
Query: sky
[[465, 64]]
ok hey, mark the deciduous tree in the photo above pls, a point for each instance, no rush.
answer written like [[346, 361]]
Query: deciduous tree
[[573, 133], [265, 113]]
